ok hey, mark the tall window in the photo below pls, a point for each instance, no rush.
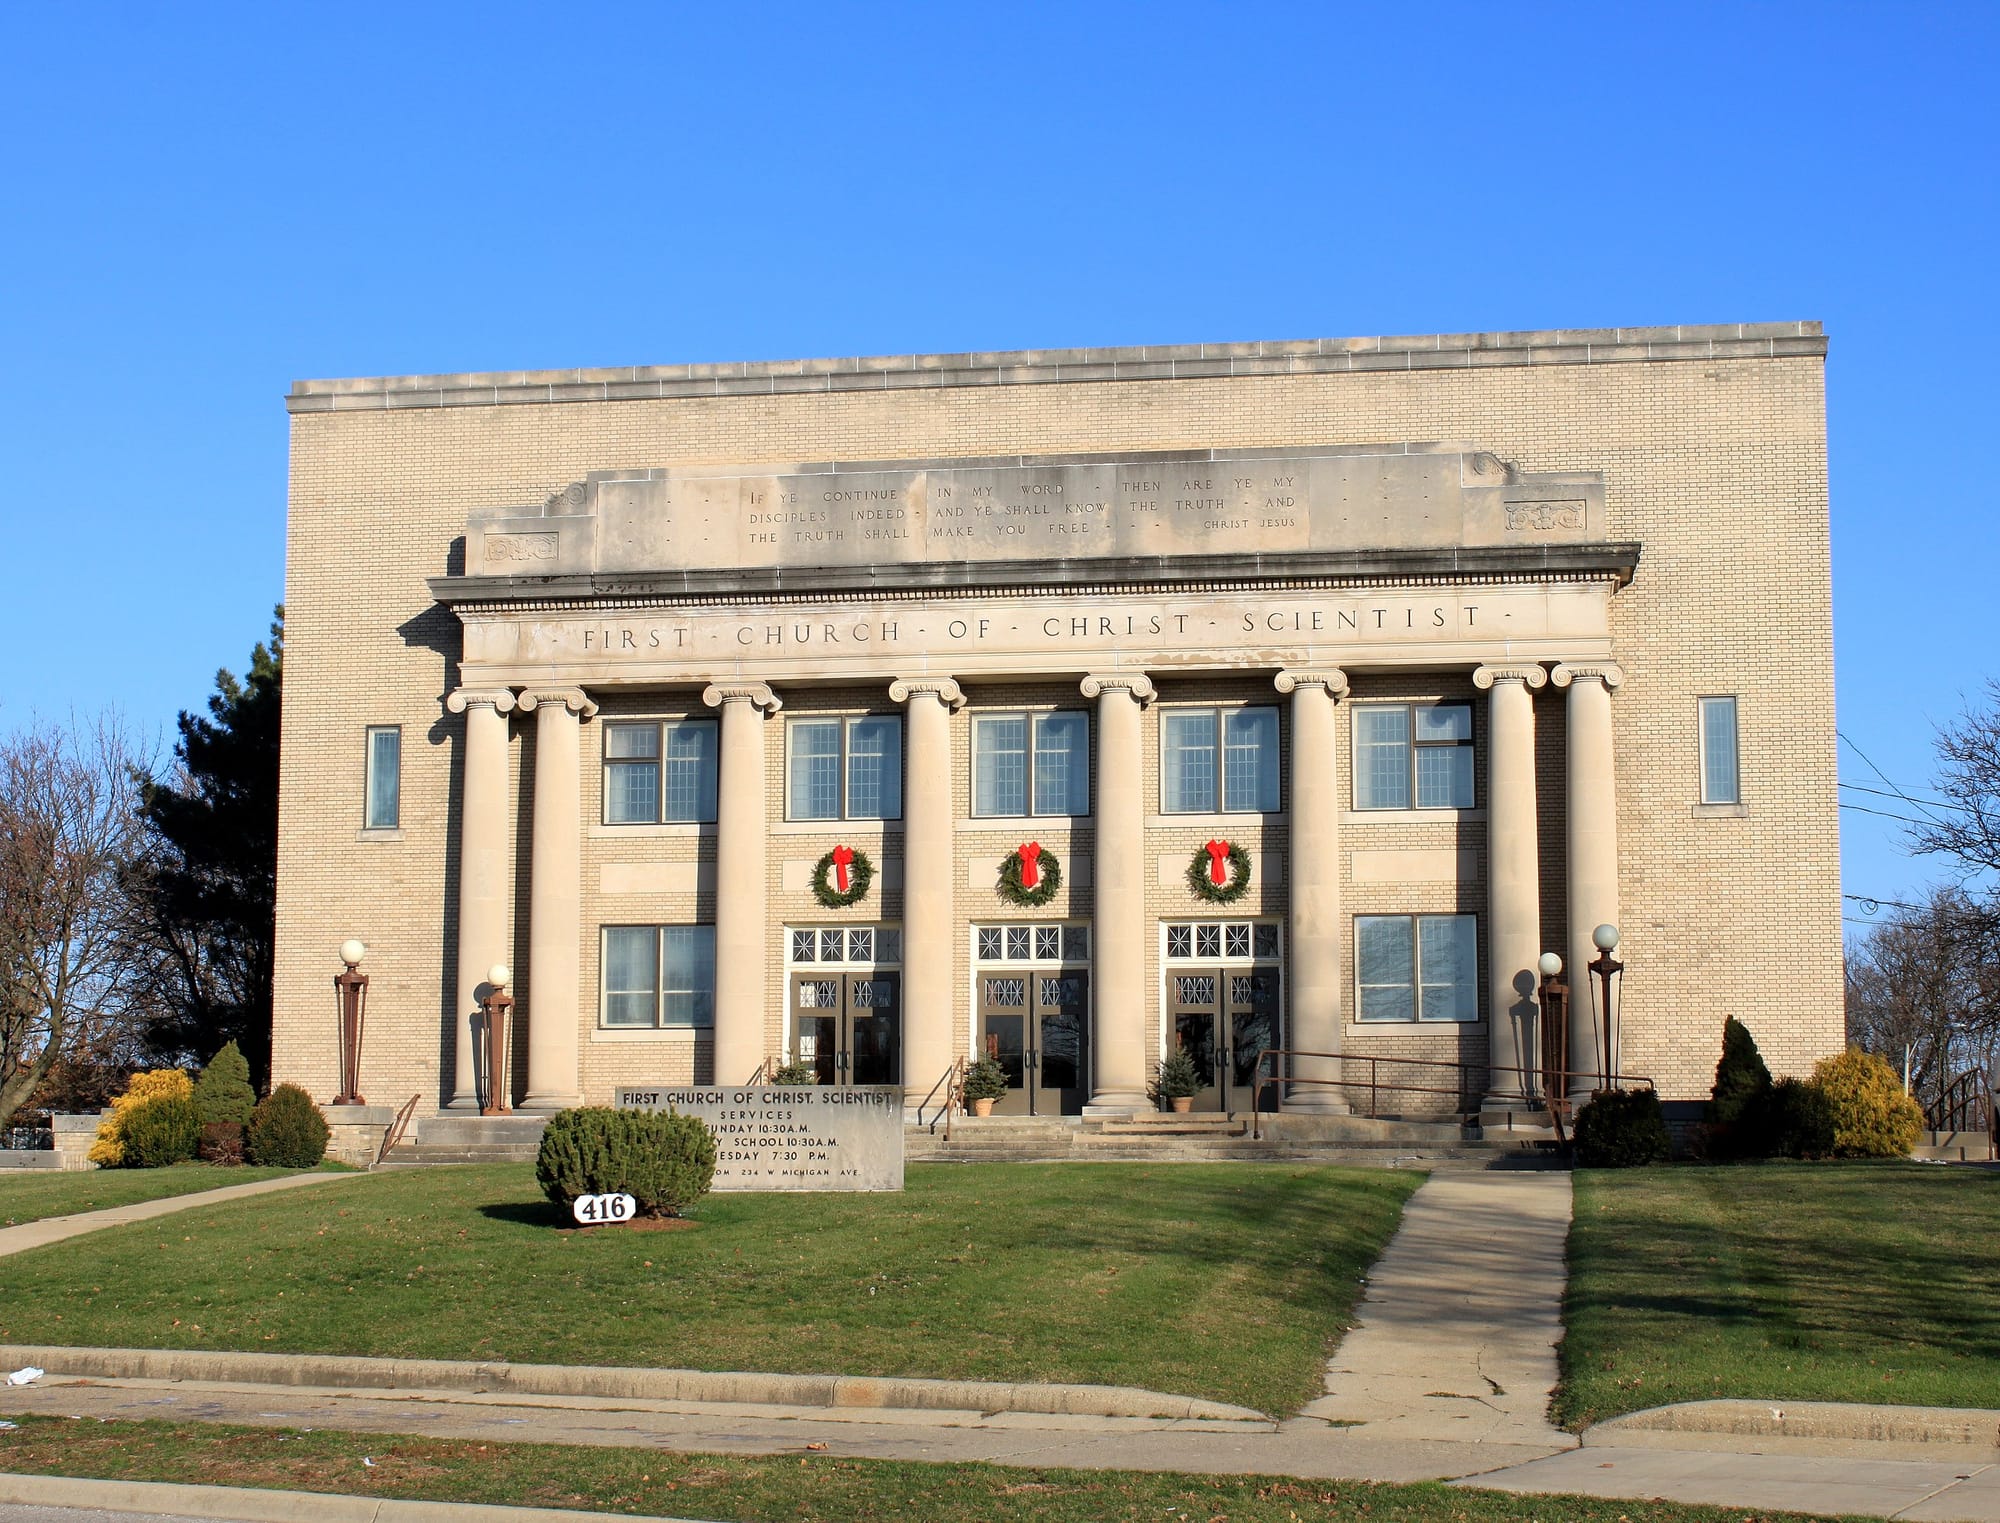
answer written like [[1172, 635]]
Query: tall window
[[1031, 764], [659, 771], [384, 807], [1719, 776], [1413, 755], [845, 769], [1416, 967], [659, 976], [1219, 761]]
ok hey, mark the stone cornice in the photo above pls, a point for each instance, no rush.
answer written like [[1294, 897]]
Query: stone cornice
[[1170, 362], [1616, 560]]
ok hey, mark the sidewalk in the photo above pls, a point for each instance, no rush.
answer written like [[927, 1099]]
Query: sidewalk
[[53, 1229]]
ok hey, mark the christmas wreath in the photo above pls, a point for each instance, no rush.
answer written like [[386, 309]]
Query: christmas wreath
[[1029, 875], [1219, 872], [842, 877]]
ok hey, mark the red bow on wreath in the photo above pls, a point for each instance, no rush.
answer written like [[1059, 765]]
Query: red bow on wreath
[[1218, 862], [1030, 874], [842, 856]]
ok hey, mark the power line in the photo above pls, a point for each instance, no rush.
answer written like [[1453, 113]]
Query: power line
[[1885, 814], [1883, 794], [1842, 734]]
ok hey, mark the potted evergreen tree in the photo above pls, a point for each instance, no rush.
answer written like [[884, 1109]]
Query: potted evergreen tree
[[985, 1082], [1177, 1082]]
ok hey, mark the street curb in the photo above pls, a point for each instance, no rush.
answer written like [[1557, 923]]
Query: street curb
[[631, 1384], [1955, 1427], [255, 1506]]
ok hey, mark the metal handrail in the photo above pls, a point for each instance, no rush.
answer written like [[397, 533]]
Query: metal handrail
[[952, 1082], [395, 1133], [1536, 1081], [1965, 1106]]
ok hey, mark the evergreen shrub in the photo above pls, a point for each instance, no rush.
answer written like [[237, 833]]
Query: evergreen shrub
[[1872, 1117], [663, 1160], [108, 1151], [286, 1131], [1621, 1129], [160, 1131], [985, 1080], [795, 1076], [223, 1091], [1177, 1078], [1740, 1097], [1793, 1120]]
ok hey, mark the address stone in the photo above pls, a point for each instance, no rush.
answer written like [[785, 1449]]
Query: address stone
[[793, 1137]]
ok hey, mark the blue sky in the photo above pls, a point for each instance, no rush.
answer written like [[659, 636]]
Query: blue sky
[[202, 203]]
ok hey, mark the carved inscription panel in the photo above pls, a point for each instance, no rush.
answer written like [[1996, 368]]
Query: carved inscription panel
[[1267, 502]]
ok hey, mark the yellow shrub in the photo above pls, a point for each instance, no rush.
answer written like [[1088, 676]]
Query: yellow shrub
[[108, 1151], [1872, 1117]]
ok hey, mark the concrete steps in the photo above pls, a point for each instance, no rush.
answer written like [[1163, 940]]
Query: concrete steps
[[468, 1139]]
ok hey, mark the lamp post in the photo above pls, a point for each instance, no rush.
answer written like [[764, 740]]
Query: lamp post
[[351, 1003], [1605, 939], [1554, 994], [496, 1004]]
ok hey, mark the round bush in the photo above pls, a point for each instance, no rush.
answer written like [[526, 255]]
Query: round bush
[[1621, 1129], [1792, 1120], [663, 1160], [159, 1131], [108, 1151], [286, 1131], [1872, 1117]]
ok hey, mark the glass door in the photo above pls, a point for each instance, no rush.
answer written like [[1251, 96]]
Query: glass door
[[1196, 1032], [1224, 1006], [847, 1026]]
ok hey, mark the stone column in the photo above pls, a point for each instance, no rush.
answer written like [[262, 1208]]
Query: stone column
[[1118, 1067], [1513, 879], [483, 878], [555, 900], [930, 851], [1317, 933], [1593, 850], [744, 942]]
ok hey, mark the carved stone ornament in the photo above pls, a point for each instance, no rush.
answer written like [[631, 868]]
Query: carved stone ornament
[[499, 699], [949, 693], [1609, 672], [572, 698], [1526, 673], [716, 694], [1138, 684], [1332, 678]]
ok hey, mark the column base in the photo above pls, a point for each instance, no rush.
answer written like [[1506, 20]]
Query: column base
[[548, 1105], [461, 1103], [1316, 1101], [1505, 1108], [1118, 1102]]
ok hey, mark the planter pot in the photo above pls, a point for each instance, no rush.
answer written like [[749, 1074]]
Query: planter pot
[[1182, 1104], [982, 1107]]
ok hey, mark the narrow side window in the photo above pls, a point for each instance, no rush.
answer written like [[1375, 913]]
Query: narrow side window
[[1720, 782], [384, 808]]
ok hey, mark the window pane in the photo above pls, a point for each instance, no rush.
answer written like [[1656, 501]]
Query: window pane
[[690, 770], [1266, 937], [1718, 751], [1062, 764], [1076, 942], [1444, 777], [1208, 941], [889, 945], [1250, 768], [989, 942], [1188, 767], [631, 793], [1048, 943], [1017, 943], [1236, 941], [861, 946], [815, 769], [623, 742], [1445, 721], [1000, 765], [1384, 955], [875, 769], [385, 782], [829, 946], [1381, 758], [1180, 941], [631, 975], [805, 946], [688, 975], [1446, 955]]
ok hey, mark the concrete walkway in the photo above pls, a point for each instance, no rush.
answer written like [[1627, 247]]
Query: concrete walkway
[[53, 1229]]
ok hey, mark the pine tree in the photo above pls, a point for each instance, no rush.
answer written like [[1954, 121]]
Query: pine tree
[[1741, 1079], [223, 1091]]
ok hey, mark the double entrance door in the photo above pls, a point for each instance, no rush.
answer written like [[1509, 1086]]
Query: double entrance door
[[1034, 1023], [847, 1026], [1223, 1018]]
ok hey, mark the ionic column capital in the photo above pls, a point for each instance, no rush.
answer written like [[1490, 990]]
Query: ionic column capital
[[1610, 673], [1528, 673], [757, 694], [948, 692], [1137, 684], [498, 699], [572, 698], [1332, 678]]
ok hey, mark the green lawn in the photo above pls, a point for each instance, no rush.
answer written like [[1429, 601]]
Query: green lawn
[[1229, 1281], [1871, 1282], [28, 1195], [820, 1489]]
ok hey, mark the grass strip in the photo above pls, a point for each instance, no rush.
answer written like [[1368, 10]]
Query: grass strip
[[1228, 1281], [1865, 1282], [31, 1195], [807, 1489]]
